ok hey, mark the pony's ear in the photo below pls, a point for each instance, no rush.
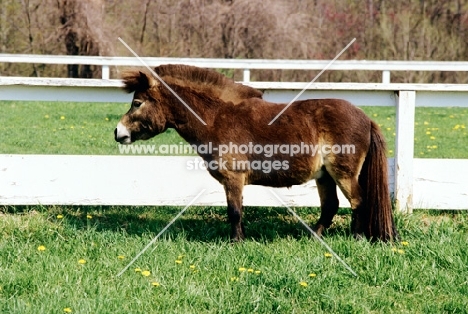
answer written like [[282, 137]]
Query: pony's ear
[[147, 80], [137, 81]]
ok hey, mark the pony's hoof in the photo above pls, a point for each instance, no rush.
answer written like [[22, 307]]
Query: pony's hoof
[[318, 229], [237, 237], [359, 236], [236, 240]]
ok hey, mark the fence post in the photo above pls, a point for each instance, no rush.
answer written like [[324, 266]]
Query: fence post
[[385, 77], [246, 76], [404, 151], [105, 72]]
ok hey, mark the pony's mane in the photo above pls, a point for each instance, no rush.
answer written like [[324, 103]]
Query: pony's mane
[[200, 79], [206, 78]]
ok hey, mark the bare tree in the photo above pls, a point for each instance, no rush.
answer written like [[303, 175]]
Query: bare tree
[[276, 29], [82, 32], [28, 11]]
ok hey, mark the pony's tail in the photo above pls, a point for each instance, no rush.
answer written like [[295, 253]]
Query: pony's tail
[[376, 215]]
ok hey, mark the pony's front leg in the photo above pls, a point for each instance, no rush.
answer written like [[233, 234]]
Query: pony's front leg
[[233, 187]]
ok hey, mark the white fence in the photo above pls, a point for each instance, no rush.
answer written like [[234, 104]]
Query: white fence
[[245, 64], [143, 180]]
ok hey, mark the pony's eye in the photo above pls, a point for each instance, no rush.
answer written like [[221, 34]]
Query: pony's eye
[[137, 104]]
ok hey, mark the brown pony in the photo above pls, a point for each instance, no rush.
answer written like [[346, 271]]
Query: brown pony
[[328, 140]]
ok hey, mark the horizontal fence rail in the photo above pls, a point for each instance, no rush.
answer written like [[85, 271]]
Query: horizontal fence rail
[[360, 94], [165, 180], [32, 179], [245, 64]]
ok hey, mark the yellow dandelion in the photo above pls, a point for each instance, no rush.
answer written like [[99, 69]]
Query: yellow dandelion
[[404, 243], [155, 284], [388, 118], [89, 216], [312, 275], [178, 261], [257, 272], [137, 269], [234, 278], [434, 146], [180, 256], [62, 118], [250, 270], [72, 127], [242, 269], [451, 116], [121, 257], [388, 129], [394, 249], [303, 283], [192, 266], [82, 261], [41, 248], [401, 251], [67, 310], [428, 132], [456, 127], [375, 115], [146, 273], [107, 119], [426, 123], [46, 116], [328, 254], [390, 151], [432, 137], [394, 133], [421, 153], [59, 216]]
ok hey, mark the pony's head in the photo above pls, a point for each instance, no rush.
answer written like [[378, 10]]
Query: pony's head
[[151, 112], [145, 118]]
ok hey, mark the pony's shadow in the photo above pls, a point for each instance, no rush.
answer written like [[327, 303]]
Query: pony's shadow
[[210, 224]]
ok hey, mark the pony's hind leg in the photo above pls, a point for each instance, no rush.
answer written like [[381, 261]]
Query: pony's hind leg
[[328, 201], [353, 192], [233, 187]]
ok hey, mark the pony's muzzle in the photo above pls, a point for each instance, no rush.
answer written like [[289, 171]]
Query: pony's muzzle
[[122, 134]]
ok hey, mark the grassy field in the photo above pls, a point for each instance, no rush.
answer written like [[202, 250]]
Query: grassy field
[[64, 259], [52, 264], [84, 128]]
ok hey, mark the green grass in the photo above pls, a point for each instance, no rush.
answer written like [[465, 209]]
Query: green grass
[[439, 132], [87, 128], [64, 128], [428, 276]]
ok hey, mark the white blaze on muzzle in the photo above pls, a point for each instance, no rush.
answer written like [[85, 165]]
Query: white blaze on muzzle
[[122, 134]]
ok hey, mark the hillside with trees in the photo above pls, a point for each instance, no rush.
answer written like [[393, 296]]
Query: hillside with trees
[[271, 29]]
